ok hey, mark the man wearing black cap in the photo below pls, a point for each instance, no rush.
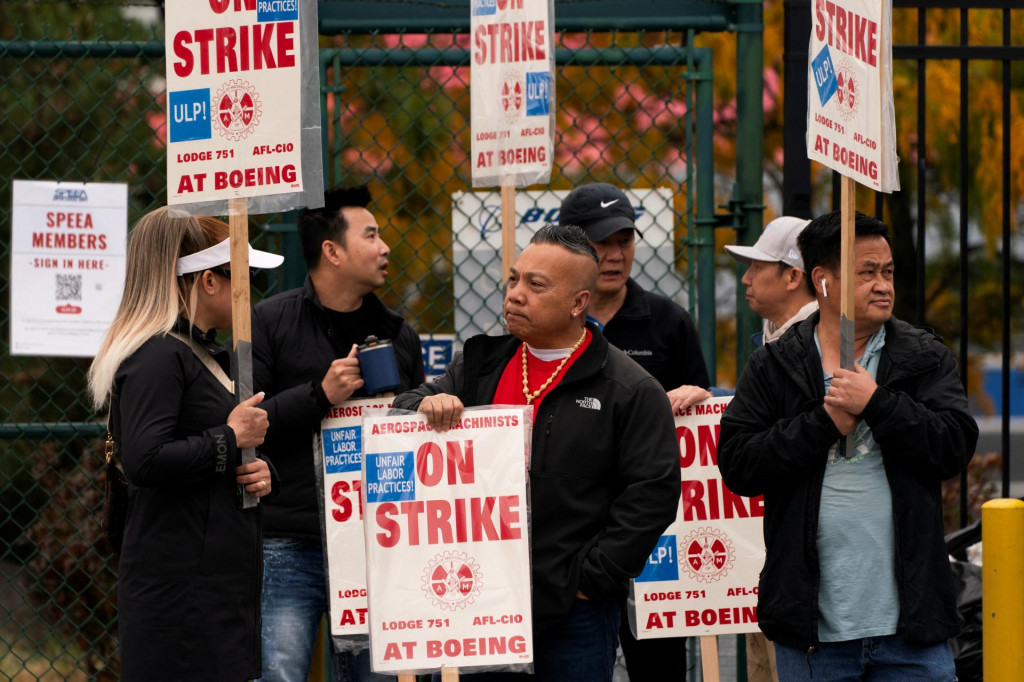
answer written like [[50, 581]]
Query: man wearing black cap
[[650, 328], [655, 332]]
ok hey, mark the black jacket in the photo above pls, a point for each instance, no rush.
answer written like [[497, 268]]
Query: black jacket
[[604, 467], [659, 335], [293, 345], [191, 564], [775, 440]]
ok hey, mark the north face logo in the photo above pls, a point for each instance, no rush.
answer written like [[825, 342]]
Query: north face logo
[[589, 403]]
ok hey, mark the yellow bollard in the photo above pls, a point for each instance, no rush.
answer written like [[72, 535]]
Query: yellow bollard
[[1002, 590]]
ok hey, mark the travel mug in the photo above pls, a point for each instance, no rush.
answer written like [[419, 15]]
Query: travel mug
[[378, 366]]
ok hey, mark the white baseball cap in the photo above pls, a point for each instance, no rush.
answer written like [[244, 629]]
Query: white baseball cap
[[777, 244]]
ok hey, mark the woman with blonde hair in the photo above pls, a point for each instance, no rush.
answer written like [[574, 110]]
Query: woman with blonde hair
[[191, 561]]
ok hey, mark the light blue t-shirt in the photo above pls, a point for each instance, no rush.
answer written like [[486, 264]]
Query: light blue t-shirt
[[857, 596]]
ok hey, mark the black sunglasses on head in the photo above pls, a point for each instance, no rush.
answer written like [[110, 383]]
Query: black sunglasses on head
[[225, 272]]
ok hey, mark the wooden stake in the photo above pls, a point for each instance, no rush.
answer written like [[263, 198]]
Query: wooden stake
[[847, 276], [449, 674], [709, 658], [241, 322], [508, 229]]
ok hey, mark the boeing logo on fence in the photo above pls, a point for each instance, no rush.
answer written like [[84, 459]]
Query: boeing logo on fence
[[62, 194], [488, 218]]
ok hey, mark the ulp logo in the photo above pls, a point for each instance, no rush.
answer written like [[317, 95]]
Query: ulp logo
[[538, 93], [190, 115], [825, 75]]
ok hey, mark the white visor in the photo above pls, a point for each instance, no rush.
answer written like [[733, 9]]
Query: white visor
[[220, 254]]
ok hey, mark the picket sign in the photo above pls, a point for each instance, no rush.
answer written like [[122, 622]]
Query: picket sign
[[851, 124], [241, 128], [446, 537]]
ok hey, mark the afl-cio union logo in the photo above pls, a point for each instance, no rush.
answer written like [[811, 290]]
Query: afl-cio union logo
[[848, 92], [452, 580], [238, 108], [709, 554], [512, 96]]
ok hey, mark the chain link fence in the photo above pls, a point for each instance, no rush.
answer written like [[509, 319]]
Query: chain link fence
[[83, 100]]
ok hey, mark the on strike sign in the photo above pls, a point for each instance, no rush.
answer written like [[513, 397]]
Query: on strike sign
[[512, 92], [851, 122], [342, 456], [234, 99], [702, 577], [447, 547]]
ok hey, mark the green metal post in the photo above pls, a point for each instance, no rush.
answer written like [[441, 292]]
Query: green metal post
[[750, 151], [705, 245]]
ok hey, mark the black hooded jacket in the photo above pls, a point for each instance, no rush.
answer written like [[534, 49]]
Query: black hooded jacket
[[775, 439]]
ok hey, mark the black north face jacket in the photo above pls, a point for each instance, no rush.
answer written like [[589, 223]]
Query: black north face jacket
[[604, 467], [775, 440]]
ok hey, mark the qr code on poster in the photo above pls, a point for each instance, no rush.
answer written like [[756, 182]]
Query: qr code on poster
[[69, 288]]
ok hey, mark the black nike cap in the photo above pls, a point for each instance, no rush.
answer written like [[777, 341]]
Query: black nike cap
[[599, 209]]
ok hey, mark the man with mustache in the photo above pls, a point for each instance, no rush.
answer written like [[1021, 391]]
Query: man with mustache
[[604, 462], [304, 358], [856, 582]]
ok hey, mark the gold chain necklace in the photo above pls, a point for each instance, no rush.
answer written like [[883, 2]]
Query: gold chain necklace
[[526, 384]]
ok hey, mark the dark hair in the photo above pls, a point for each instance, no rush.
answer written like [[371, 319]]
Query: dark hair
[[318, 225], [821, 241], [569, 237]]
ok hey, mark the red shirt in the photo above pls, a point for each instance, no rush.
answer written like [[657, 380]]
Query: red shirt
[[510, 386]]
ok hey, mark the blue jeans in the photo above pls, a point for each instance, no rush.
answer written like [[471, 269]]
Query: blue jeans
[[872, 659], [581, 648], [294, 600]]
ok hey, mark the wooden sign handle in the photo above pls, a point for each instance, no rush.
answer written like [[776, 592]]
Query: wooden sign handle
[[847, 276], [847, 316], [241, 322], [508, 229], [709, 658]]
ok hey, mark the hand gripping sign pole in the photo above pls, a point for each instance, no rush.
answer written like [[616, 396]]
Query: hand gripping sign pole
[[243, 129], [241, 321], [848, 208], [851, 123]]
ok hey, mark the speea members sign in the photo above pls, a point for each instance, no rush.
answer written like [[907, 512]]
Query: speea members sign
[[68, 247], [701, 579], [512, 92], [851, 122]]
